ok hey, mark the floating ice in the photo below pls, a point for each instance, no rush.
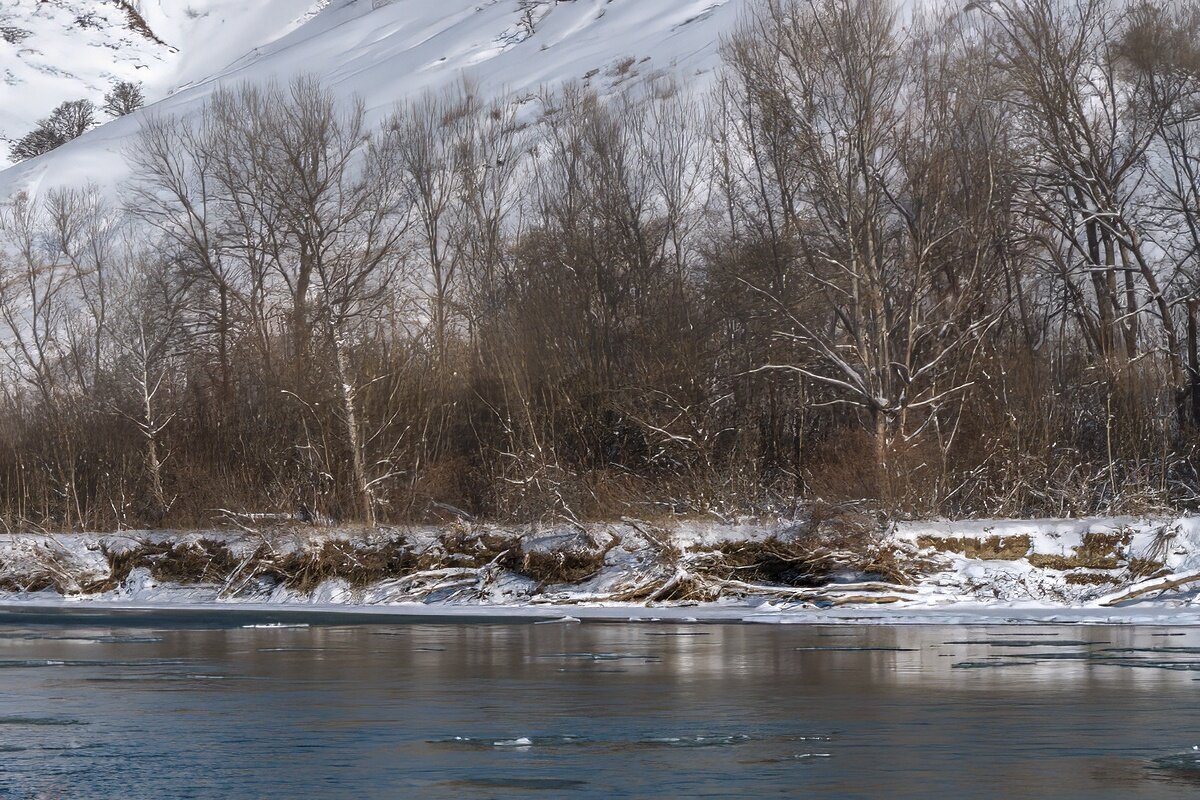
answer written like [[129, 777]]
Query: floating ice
[[516, 742], [523, 741]]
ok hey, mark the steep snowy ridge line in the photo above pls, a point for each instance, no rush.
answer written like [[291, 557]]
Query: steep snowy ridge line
[[137, 23]]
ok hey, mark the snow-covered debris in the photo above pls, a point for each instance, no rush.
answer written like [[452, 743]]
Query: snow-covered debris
[[1059, 561], [794, 564]]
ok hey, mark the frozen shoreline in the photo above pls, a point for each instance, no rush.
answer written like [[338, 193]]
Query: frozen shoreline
[[794, 571], [41, 610]]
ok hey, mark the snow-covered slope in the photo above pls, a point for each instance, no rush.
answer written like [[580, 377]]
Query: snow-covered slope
[[382, 50], [65, 50]]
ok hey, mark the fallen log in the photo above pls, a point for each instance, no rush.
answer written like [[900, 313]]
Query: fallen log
[[1155, 585], [867, 600]]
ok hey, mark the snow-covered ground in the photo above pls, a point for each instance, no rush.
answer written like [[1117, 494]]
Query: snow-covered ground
[[384, 51], [1113, 570]]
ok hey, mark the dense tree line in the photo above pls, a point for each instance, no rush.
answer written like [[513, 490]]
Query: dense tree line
[[941, 264]]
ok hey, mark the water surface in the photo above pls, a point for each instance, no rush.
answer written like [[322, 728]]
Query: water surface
[[598, 711]]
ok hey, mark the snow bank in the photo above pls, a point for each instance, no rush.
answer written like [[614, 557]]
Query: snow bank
[[1090, 570]]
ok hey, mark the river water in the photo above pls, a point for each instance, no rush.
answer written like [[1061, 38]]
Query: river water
[[88, 710]]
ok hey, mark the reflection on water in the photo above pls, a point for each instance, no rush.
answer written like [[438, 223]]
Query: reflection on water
[[599, 710]]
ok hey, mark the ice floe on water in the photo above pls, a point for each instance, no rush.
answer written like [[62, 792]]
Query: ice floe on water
[[512, 741]]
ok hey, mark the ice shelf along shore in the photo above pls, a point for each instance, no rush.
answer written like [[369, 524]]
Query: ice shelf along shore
[[815, 568]]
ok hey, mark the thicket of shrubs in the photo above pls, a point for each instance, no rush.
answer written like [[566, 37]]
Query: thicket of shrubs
[[946, 266]]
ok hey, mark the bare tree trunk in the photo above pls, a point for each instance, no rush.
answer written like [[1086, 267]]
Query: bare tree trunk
[[362, 489], [882, 465], [1193, 363]]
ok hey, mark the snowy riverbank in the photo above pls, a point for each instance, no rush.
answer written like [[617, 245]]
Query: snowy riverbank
[[838, 568]]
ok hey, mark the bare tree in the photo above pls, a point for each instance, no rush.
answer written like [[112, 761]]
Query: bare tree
[[124, 97]]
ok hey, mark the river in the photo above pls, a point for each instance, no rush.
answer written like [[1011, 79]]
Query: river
[[93, 710]]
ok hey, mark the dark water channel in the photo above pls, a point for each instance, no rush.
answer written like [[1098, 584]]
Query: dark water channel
[[598, 711]]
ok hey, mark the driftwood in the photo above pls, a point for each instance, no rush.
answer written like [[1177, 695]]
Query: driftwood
[[1156, 585], [662, 586], [670, 577]]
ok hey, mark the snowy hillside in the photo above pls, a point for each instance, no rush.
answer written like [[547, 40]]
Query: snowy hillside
[[383, 50]]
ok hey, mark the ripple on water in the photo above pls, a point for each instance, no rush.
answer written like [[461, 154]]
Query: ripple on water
[[1192, 650], [1027, 642], [39, 721], [1175, 666], [530, 784], [989, 664], [728, 740], [790, 758], [1181, 764], [28, 663], [157, 677], [588, 656], [852, 649], [107, 639]]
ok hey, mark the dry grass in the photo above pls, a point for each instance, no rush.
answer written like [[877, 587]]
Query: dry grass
[[463, 545], [204, 561], [211, 562], [991, 548], [1064, 563], [355, 563], [1097, 551], [830, 539], [574, 559], [1090, 579], [1143, 568]]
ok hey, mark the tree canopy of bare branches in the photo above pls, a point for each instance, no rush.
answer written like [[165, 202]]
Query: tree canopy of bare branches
[[942, 261]]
